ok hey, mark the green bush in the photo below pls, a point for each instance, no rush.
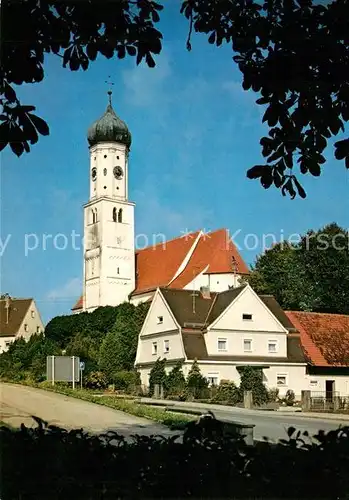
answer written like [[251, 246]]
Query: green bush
[[227, 393], [252, 380], [273, 395], [157, 375], [128, 381], [175, 382], [197, 385], [290, 398], [96, 380], [73, 464]]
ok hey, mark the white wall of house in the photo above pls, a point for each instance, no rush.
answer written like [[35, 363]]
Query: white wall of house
[[215, 282], [317, 383], [160, 335], [296, 378], [159, 318], [31, 324], [248, 302], [5, 343], [152, 347]]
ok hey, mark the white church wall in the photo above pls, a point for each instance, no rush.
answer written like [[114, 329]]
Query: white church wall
[[139, 299], [215, 282]]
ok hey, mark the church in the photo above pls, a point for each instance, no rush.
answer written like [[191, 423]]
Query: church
[[114, 270], [199, 308]]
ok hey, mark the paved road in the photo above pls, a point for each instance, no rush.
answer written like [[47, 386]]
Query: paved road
[[18, 403], [268, 423]]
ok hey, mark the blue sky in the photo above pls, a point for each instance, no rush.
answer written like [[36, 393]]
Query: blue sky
[[195, 133]]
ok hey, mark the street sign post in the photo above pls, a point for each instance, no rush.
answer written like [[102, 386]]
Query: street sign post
[[82, 368]]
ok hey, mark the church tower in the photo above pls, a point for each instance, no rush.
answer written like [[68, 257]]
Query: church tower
[[109, 254]]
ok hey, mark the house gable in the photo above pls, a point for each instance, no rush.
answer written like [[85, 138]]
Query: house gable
[[247, 312], [160, 335], [159, 318]]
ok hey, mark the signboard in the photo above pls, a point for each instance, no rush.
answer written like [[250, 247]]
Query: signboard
[[63, 369], [82, 365]]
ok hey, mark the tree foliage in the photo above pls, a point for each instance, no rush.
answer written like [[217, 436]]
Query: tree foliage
[[128, 323], [294, 54], [175, 381], [157, 375], [27, 359], [108, 362], [196, 382], [62, 329], [252, 380], [309, 275]]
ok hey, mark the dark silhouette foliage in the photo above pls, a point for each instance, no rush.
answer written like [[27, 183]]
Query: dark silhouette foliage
[[48, 462], [294, 54]]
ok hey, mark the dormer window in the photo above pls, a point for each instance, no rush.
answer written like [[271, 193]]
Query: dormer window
[[247, 317]]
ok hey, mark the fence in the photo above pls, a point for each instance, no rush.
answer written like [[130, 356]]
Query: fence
[[329, 402]]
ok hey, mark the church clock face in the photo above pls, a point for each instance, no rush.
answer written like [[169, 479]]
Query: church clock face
[[94, 173], [118, 172]]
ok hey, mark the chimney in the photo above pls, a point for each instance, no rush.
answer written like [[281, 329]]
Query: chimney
[[7, 306], [205, 292]]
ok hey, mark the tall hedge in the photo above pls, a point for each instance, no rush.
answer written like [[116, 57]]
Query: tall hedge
[[252, 380]]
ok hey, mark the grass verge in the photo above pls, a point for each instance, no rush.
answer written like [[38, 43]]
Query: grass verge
[[172, 420]]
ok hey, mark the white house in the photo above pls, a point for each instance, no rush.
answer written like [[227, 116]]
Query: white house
[[18, 318], [114, 271], [223, 331]]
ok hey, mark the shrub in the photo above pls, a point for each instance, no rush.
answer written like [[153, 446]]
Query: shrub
[[197, 385], [96, 380], [290, 398], [228, 393], [252, 380], [273, 395], [127, 381], [77, 465], [175, 382], [157, 375]]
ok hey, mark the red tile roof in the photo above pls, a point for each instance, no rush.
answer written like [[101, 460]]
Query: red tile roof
[[215, 253], [157, 265], [78, 304], [325, 337]]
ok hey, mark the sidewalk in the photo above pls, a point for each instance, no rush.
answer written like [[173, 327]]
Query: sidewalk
[[235, 409]]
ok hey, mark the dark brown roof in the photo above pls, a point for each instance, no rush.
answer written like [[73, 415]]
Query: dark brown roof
[[223, 300], [195, 348], [279, 313], [17, 311], [198, 312], [190, 311]]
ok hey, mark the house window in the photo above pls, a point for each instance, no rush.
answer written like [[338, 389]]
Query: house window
[[247, 345], [120, 215], [26, 327], [7, 343], [38, 329], [166, 346], [247, 317], [155, 348], [313, 383], [33, 314], [281, 380], [114, 214], [222, 344], [212, 378], [160, 320], [272, 346]]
